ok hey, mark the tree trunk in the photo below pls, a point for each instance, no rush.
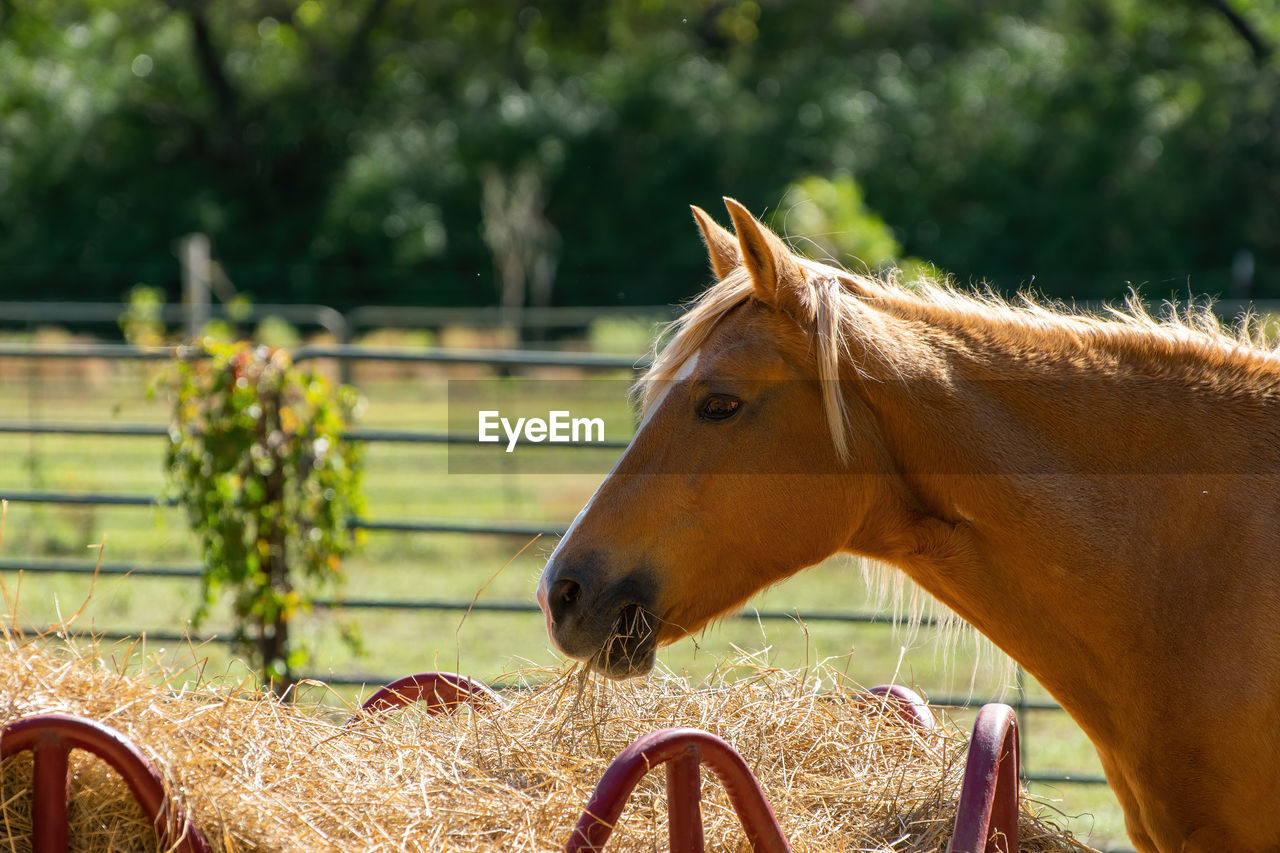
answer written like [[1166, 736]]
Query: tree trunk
[[273, 632]]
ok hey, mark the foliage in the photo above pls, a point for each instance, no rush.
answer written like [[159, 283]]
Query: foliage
[[337, 152], [833, 222], [829, 221], [258, 459], [142, 321], [277, 333]]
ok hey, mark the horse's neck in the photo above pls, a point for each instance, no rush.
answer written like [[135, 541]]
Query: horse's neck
[[1041, 521]]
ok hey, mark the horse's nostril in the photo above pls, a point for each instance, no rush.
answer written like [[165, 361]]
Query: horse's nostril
[[564, 594]]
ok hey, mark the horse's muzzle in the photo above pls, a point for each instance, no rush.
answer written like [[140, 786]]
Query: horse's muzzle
[[612, 628]]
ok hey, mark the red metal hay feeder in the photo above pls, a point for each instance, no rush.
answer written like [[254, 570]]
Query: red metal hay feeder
[[986, 818], [51, 738], [441, 692], [987, 814]]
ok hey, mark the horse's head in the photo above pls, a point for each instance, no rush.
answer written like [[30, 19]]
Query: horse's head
[[739, 474]]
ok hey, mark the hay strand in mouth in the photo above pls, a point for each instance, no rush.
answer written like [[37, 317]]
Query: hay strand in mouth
[[256, 774]]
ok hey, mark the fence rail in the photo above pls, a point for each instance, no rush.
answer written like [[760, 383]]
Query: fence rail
[[343, 325], [339, 324], [342, 352]]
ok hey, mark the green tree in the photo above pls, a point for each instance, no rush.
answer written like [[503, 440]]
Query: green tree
[[337, 151]]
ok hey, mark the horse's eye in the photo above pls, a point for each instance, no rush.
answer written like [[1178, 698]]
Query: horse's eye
[[718, 407]]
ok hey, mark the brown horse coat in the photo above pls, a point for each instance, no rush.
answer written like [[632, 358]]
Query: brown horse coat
[[1100, 497]]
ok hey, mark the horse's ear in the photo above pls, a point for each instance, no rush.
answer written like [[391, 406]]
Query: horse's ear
[[774, 272], [722, 247]]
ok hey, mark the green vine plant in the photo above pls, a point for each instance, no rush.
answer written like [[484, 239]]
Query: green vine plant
[[257, 457]]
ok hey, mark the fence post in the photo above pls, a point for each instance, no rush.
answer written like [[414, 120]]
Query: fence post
[[1020, 708], [197, 277]]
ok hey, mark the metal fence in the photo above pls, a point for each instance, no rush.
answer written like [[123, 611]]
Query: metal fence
[[345, 326], [505, 359], [342, 326]]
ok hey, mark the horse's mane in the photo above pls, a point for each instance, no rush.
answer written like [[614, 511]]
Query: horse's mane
[[1188, 341]]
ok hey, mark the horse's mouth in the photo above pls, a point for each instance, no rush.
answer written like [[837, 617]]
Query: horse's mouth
[[632, 646]]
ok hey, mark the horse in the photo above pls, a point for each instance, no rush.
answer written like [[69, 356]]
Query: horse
[[1097, 494]]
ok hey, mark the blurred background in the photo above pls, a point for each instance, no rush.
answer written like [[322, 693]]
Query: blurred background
[[408, 193], [388, 152]]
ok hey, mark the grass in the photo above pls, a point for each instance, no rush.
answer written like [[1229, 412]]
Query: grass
[[416, 482]]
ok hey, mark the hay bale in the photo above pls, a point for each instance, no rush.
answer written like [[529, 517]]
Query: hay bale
[[256, 774]]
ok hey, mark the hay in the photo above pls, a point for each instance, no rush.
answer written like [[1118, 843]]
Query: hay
[[260, 775]]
